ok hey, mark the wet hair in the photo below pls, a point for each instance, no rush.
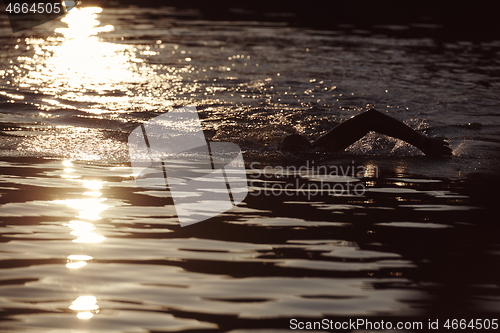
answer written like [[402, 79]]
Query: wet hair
[[295, 142]]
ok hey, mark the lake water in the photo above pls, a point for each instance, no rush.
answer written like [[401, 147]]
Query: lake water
[[83, 248]]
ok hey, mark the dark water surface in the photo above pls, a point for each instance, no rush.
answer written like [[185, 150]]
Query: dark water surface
[[83, 248]]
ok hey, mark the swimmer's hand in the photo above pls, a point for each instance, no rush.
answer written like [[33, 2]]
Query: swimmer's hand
[[436, 147]]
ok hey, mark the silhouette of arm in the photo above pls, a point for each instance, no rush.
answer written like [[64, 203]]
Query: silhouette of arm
[[351, 130]]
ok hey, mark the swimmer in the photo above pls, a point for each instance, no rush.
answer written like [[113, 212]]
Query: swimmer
[[346, 133]]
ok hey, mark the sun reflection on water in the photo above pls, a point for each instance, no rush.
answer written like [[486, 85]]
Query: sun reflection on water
[[86, 306], [83, 229], [77, 260], [89, 209], [78, 60]]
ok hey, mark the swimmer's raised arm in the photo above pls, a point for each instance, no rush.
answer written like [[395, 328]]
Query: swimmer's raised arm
[[346, 133]]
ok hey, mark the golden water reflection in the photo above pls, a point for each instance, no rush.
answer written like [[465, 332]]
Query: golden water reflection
[[83, 228], [77, 261], [78, 60], [89, 209], [84, 231], [86, 306]]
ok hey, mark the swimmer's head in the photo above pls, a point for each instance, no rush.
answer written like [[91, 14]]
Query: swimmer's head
[[295, 142]]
